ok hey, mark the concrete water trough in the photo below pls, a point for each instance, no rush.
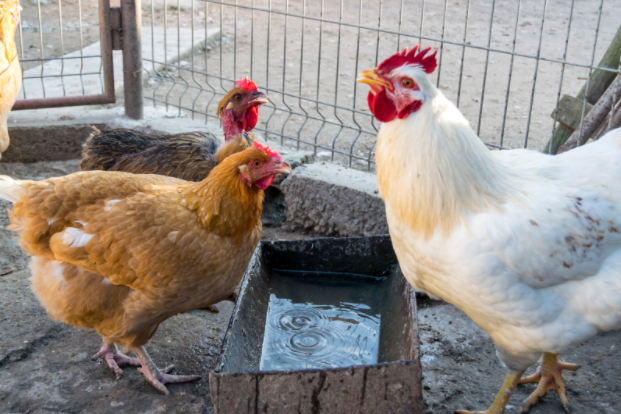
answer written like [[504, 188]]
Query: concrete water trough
[[321, 326]]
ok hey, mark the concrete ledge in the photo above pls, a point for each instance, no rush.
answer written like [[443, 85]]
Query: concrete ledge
[[332, 200]]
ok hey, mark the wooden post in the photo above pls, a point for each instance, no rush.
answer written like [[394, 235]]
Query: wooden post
[[600, 81], [132, 57]]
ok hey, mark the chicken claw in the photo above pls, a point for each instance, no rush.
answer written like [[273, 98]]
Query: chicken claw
[[502, 398], [114, 358], [549, 377], [157, 377]]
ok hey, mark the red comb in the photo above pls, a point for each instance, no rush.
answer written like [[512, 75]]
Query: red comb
[[428, 64], [247, 84], [266, 149]]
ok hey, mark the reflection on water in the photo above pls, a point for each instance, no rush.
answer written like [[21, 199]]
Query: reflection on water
[[314, 323]]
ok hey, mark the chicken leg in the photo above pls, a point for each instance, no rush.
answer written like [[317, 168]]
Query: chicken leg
[[157, 377], [114, 358], [502, 398], [548, 377]]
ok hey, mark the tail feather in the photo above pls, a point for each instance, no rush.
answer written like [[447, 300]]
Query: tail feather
[[9, 188]]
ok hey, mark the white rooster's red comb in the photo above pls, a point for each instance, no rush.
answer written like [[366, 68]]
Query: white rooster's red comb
[[247, 84], [266, 149], [428, 64]]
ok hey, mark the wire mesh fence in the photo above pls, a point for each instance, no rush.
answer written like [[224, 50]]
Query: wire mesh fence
[[59, 50], [505, 63]]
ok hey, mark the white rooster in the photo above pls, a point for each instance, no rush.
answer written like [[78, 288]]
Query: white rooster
[[527, 244]]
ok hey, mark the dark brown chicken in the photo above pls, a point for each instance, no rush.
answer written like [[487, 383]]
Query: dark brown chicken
[[189, 156]]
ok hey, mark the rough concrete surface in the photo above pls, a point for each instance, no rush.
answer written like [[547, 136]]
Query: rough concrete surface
[[332, 200]]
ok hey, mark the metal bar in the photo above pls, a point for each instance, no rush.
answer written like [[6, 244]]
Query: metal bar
[[319, 78], [463, 53], [489, 42], [355, 75], [301, 70], [81, 43], [41, 44], [180, 73], [132, 58], [336, 82], [400, 24], [504, 117], [63, 75], [59, 58], [284, 67], [105, 38], [586, 92], [442, 43], [252, 41], [532, 94], [422, 21], [61, 101], [62, 45]]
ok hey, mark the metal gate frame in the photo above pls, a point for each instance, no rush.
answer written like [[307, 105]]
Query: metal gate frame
[[119, 29]]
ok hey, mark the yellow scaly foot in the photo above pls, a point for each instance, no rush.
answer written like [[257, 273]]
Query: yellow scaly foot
[[549, 376], [502, 398]]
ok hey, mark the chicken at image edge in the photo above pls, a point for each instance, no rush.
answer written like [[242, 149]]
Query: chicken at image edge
[[528, 245], [10, 70], [120, 253], [190, 155]]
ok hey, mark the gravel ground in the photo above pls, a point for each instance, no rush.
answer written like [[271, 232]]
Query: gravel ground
[[45, 365]]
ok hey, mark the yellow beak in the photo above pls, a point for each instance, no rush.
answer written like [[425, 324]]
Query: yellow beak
[[371, 77]]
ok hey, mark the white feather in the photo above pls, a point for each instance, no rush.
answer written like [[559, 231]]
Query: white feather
[[109, 204], [9, 188], [75, 237], [57, 271]]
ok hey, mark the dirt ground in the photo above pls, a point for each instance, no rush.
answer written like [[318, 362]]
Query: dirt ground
[[45, 366]]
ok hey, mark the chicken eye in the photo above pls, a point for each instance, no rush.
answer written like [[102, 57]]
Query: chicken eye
[[256, 163], [238, 97], [407, 82]]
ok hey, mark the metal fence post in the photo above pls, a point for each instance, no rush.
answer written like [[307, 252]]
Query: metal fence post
[[132, 57]]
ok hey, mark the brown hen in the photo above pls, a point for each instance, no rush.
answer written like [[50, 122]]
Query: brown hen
[[120, 253]]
